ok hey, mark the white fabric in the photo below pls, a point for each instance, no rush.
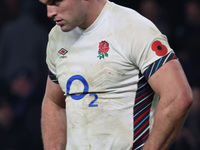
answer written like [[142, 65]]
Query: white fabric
[[111, 80]]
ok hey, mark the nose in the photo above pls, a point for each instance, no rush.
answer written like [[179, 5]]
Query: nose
[[51, 11]]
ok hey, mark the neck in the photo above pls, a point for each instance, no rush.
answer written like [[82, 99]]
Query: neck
[[94, 9]]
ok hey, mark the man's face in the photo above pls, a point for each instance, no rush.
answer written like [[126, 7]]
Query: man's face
[[68, 14]]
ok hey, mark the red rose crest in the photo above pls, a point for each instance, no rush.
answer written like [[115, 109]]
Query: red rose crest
[[103, 49], [159, 48]]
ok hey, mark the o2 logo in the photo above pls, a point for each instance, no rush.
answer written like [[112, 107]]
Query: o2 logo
[[85, 90]]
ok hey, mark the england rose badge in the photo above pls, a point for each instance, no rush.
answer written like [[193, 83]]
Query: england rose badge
[[103, 49]]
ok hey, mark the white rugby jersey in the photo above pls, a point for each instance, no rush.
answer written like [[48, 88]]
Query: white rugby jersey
[[103, 72]]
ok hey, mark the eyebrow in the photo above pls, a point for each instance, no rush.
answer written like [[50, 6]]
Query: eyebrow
[[48, 2]]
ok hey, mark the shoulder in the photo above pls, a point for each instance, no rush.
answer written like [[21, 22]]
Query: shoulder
[[131, 20], [55, 31], [56, 35], [129, 26]]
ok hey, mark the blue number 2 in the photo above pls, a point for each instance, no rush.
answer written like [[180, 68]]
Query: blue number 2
[[92, 103], [85, 90]]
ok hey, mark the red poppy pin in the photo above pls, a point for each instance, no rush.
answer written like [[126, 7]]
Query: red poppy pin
[[159, 48], [103, 49]]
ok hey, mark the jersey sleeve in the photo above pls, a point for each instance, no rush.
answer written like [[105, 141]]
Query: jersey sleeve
[[51, 57], [151, 49], [152, 68]]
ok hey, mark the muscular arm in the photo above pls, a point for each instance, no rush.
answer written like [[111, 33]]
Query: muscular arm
[[170, 83], [53, 117]]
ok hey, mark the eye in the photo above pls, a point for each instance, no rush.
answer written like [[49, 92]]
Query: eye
[[51, 2], [54, 2]]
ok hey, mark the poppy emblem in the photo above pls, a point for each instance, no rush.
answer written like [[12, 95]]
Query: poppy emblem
[[103, 49], [159, 48]]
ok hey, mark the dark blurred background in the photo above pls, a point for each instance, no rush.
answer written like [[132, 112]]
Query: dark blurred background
[[24, 30]]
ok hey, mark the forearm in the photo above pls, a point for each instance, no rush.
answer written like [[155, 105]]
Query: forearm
[[53, 126], [167, 124]]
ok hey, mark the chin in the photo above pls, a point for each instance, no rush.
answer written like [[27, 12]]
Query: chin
[[66, 28]]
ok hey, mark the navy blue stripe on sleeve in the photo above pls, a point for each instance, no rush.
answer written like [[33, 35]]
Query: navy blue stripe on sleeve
[[157, 64], [53, 77]]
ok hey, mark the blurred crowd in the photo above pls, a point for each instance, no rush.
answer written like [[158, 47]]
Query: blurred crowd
[[24, 30]]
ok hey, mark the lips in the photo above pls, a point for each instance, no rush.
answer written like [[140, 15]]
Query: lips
[[58, 22]]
